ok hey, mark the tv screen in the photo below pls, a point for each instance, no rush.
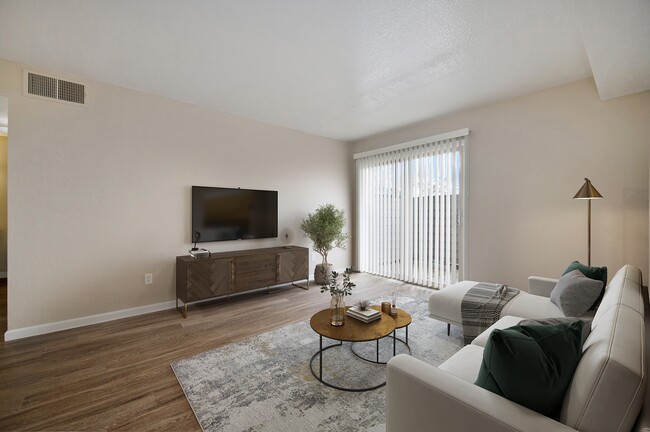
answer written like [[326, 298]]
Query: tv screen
[[233, 214]]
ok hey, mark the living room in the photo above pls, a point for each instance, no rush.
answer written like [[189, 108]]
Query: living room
[[100, 194]]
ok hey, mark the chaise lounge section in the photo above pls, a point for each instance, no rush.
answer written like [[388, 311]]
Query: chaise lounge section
[[606, 393], [445, 305]]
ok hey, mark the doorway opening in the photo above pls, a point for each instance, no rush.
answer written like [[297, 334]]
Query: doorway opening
[[4, 139]]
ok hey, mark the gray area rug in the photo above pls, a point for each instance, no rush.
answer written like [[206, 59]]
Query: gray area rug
[[265, 383]]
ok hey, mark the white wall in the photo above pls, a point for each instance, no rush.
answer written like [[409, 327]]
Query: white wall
[[528, 157], [100, 195]]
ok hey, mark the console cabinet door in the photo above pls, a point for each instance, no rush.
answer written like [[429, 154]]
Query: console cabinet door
[[209, 278], [254, 271], [293, 265]]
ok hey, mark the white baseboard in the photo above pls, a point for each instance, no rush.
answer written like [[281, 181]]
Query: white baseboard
[[87, 320], [96, 319]]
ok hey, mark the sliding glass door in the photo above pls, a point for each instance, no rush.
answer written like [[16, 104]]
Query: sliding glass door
[[410, 208]]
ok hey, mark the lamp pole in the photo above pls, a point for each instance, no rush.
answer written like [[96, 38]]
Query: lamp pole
[[589, 232], [588, 192]]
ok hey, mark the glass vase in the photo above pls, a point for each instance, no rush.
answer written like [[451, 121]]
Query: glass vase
[[337, 310]]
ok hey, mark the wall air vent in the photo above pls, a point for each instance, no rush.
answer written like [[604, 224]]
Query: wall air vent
[[71, 92], [40, 85], [54, 89]]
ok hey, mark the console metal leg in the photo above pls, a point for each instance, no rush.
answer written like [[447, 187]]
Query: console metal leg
[[377, 350], [300, 286], [182, 311], [321, 357], [448, 329]]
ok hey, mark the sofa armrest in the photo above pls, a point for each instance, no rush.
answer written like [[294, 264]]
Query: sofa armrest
[[421, 397], [541, 286]]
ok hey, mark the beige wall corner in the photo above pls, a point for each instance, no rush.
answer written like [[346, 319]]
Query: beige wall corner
[[527, 158]]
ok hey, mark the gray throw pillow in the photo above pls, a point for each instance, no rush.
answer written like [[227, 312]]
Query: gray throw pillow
[[575, 293], [586, 329]]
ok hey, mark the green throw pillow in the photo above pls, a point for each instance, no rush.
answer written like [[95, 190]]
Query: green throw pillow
[[532, 364], [597, 273], [586, 328]]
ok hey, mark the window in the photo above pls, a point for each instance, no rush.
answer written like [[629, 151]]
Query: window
[[410, 210]]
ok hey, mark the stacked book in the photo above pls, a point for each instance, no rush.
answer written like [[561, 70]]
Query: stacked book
[[200, 253], [367, 315]]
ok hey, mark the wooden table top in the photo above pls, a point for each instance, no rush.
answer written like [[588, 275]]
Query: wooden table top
[[353, 330], [402, 319]]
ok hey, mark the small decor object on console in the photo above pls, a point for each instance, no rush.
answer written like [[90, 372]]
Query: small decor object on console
[[338, 291], [200, 253], [196, 237]]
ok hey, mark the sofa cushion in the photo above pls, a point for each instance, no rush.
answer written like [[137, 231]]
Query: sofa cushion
[[596, 273], [465, 363], [503, 323], [586, 329], [624, 289], [608, 386], [531, 306], [510, 321], [575, 293], [444, 304], [532, 364]]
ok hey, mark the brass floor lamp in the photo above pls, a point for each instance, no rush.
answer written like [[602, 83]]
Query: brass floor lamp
[[588, 192]]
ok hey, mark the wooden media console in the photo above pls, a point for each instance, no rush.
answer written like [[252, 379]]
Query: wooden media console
[[226, 273]]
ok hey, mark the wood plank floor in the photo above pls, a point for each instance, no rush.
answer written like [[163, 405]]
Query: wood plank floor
[[117, 375], [3, 305]]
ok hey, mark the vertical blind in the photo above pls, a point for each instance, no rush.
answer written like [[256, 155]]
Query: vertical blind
[[410, 211]]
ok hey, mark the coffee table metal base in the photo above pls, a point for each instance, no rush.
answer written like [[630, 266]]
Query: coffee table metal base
[[395, 340], [319, 377]]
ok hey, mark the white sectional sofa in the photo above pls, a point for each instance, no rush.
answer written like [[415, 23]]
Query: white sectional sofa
[[606, 394], [444, 305]]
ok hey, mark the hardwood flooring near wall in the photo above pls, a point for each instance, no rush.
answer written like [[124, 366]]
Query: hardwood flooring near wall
[[3, 305], [117, 375]]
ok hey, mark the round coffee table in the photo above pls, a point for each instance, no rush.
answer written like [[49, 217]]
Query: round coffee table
[[402, 320], [352, 331]]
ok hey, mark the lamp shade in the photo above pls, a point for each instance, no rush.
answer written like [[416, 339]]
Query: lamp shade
[[587, 191]]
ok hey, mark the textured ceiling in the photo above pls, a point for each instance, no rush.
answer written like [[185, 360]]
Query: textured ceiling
[[337, 68]]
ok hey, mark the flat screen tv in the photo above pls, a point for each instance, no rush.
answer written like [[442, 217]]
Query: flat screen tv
[[233, 214]]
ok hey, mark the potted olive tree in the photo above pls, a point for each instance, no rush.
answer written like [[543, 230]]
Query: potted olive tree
[[324, 228]]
